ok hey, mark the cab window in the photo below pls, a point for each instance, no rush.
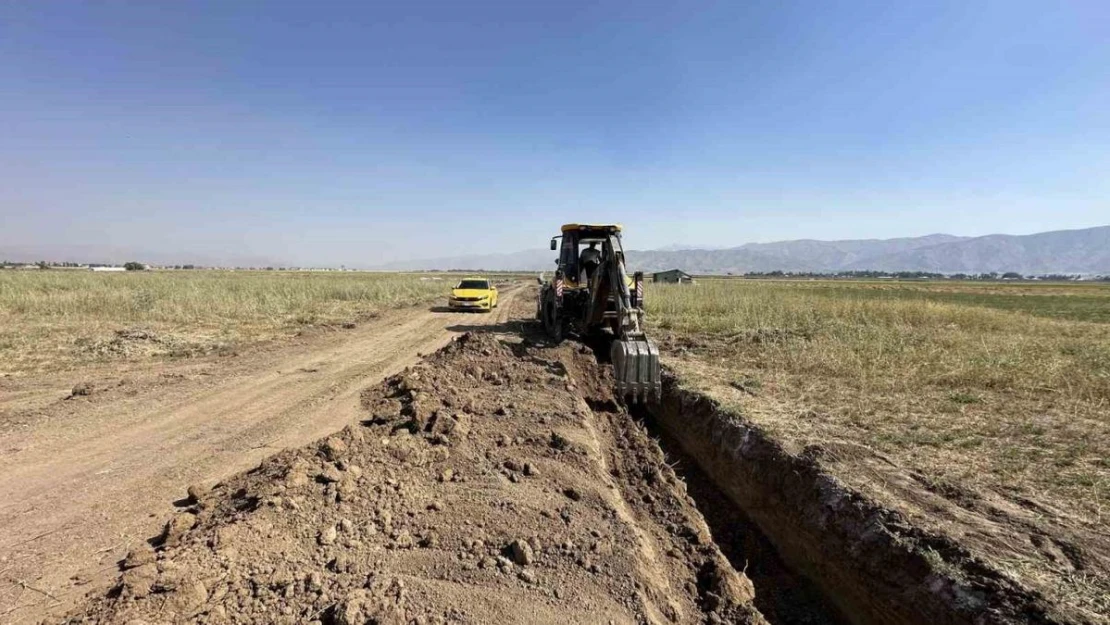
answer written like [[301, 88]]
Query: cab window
[[569, 256], [473, 284]]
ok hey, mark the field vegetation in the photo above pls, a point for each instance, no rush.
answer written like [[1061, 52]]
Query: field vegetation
[[59, 318], [995, 386]]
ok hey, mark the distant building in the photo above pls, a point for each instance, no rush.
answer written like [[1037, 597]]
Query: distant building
[[674, 276], [108, 269]]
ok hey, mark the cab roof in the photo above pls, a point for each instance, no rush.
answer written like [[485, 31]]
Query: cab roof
[[573, 227]]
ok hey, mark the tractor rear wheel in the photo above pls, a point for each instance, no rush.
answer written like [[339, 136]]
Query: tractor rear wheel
[[552, 324]]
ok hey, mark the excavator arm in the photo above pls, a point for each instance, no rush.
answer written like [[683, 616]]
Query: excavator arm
[[635, 358]]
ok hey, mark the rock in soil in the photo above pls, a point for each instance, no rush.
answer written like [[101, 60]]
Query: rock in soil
[[521, 552], [82, 389], [194, 493]]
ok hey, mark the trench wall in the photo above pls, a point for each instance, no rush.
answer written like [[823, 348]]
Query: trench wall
[[876, 568]]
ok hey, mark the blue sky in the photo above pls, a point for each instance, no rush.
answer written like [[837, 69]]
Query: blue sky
[[362, 132]]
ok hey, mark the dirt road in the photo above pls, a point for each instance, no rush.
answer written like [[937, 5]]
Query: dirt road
[[83, 480]]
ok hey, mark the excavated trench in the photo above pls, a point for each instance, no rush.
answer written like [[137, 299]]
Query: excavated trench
[[782, 594], [784, 591], [816, 551]]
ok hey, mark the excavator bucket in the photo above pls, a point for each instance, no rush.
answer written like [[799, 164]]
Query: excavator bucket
[[636, 369]]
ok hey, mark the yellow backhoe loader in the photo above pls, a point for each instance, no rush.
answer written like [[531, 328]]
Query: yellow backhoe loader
[[591, 294]]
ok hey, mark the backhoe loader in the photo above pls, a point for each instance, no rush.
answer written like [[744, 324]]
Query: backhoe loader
[[591, 294]]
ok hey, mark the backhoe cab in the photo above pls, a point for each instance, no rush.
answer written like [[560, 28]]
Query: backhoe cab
[[592, 294]]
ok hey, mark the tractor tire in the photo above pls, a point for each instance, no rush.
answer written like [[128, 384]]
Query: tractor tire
[[552, 324]]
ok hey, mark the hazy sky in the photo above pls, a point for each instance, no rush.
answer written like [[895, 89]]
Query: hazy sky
[[328, 133]]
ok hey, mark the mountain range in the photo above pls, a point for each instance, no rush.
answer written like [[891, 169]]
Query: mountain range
[[118, 255], [1085, 251]]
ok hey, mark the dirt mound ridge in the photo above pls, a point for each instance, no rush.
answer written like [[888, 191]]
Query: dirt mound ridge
[[480, 488]]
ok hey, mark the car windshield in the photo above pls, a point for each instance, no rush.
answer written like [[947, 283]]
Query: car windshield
[[473, 284]]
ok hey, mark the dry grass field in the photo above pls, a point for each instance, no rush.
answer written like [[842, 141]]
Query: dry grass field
[[984, 408], [995, 385], [60, 318]]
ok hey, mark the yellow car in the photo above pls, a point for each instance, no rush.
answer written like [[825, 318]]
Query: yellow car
[[474, 294]]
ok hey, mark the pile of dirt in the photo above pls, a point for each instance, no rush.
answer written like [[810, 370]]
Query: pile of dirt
[[476, 490]]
